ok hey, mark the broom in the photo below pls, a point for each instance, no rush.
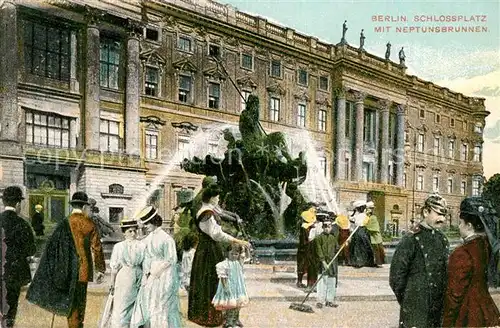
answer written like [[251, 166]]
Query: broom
[[307, 308]]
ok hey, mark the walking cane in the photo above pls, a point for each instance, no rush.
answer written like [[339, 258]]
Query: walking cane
[[307, 308], [52, 323]]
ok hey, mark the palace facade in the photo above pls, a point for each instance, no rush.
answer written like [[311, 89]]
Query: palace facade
[[100, 95]]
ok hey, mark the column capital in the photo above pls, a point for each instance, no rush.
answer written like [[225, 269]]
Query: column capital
[[340, 91], [93, 15], [359, 96], [384, 104], [400, 109], [134, 29]]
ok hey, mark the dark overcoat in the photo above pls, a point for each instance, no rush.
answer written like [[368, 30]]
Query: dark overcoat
[[418, 277], [467, 301]]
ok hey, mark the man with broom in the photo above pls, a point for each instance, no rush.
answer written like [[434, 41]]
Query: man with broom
[[60, 282]]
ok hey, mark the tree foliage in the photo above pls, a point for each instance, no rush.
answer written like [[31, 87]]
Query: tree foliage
[[491, 191]]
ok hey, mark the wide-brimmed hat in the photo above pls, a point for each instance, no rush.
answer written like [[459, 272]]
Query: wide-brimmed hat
[[437, 203], [146, 214], [12, 193], [79, 198], [129, 223], [358, 204], [370, 204]]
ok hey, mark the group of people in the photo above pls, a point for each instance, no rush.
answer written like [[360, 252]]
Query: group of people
[[438, 290], [362, 248]]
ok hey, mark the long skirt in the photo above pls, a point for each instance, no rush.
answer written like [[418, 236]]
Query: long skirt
[[378, 251], [127, 284], [361, 249], [203, 283], [344, 257]]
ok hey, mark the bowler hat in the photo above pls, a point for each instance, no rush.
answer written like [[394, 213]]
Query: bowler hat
[[437, 203], [80, 198], [146, 214], [13, 193]]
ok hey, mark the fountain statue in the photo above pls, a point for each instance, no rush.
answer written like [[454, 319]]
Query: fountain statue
[[255, 175]]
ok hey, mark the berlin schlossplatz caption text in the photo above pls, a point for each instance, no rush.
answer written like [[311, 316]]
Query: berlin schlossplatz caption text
[[430, 23]]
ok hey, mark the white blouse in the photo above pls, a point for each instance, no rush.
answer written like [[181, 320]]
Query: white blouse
[[212, 228]]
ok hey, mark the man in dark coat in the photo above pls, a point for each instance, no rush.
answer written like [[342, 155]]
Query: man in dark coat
[[37, 220], [20, 245], [66, 272], [418, 268]]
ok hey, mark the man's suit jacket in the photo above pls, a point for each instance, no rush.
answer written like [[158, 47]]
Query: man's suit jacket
[[87, 242], [20, 244]]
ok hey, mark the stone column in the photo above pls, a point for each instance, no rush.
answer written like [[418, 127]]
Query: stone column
[[92, 82], [9, 112], [74, 85], [357, 168], [132, 93], [399, 158], [340, 140], [384, 141]]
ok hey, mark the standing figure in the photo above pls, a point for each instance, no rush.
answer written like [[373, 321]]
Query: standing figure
[[231, 293], [37, 220], [362, 40], [126, 273], [305, 263], [104, 229], [18, 244], [402, 57], [342, 221], [157, 304], [467, 301], [360, 248], [388, 51], [418, 269], [344, 30], [327, 245], [189, 244], [204, 280], [373, 228], [65, 268]]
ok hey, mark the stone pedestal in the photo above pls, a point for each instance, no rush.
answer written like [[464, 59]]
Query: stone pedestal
[[132, 96]]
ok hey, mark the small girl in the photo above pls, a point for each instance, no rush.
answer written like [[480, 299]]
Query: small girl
[[188, 249], [231, 292]]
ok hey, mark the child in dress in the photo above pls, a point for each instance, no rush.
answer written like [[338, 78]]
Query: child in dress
[[327, 245], [231, 292], [188, 248]]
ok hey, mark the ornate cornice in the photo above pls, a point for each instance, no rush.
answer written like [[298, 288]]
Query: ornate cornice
[[452, 136], [302, 96], [152, 56], [452, 171], [152, 120], [184, 64], [276, 88], [215, 73], [359, 96], [324, 102], [246, 81], [93, 15], [186, 127], [437, 132], [384, 104]]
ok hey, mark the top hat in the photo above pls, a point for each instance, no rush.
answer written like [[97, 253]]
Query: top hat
[[79, 198], [146, 214], [13, 193], [358, 203], [437, 203], [129, 223]]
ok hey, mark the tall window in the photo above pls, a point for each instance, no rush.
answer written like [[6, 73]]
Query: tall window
[[213, 95], [247, 61], [464, 152], [109, 63], [407, 137], [183, 148], [151, 145], [276, 68], [323, 82], [322, 165], [369, 126], [184, 44], [151, 81], [348, 169], [450, 185], [348, 116], [476, 186], [420, 142], [452, 122], [184, 88], [421, 113], [478, 153], [435, 183], [451, 149], [420, 182], [437, 145], [464, 125], [109, 135], [115, 214], [47, 129], [322, 119], [47, 50], [301, 115], [368, 175], [463, 187], [274, 109], [302, 77], [245, 94]]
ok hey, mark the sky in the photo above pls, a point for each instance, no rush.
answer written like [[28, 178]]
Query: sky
[[466, 62]]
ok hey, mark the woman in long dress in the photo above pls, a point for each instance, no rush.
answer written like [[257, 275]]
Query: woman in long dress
[[126, 272], [360, 248], [157, 304], [204, 280]]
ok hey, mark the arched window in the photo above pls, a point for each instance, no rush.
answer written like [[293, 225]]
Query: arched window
[[116, 188]]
